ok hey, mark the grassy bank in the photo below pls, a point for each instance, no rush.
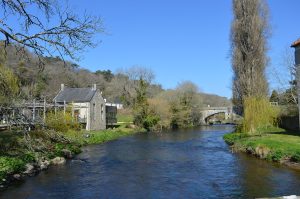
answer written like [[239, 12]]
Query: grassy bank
[[37, 148], [17, 150], [98, 137], [273, 144]]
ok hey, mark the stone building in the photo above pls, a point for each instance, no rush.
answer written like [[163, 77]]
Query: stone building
[[296, 45], [88, 105]]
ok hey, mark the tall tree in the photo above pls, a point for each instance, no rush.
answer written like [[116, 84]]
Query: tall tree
[[249, 34]]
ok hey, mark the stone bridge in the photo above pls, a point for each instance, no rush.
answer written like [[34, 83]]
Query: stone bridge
[[210, 111]]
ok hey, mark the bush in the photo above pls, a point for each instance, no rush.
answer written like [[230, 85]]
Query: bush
[[259, 115], [296, 157], [62, 122], [9, 165], [276, 155], [150, 121], [28, 157]]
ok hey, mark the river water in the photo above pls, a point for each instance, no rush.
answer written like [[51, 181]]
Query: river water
[[183, 164]]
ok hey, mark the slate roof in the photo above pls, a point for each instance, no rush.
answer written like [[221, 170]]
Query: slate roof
[[75, 95]]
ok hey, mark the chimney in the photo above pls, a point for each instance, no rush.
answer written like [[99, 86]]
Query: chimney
[[95, 87], [62, 87]]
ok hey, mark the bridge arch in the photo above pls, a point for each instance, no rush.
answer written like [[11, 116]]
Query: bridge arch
[[210, 111]]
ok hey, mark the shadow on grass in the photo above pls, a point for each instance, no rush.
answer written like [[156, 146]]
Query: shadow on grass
[[286, 132]]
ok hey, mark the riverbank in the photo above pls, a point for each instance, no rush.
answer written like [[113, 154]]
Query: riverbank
[[26, 155], [274, 144]]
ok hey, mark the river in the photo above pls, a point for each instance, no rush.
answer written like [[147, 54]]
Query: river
[[184, 164]]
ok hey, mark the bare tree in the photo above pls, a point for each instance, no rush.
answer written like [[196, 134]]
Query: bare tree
[[47, 27], [285, 76], [249, 34], [131, 79]]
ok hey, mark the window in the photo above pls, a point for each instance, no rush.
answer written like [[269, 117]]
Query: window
[[94, 111], [102, 111]]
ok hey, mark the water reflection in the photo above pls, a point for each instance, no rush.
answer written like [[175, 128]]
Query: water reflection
[[183, 164]]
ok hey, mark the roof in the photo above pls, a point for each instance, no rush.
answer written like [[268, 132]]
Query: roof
[[296, 43], [75, 95]]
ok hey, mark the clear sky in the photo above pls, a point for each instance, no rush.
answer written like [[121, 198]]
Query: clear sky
[[179, 39]]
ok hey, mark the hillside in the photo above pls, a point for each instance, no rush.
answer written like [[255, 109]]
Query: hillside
[[43, 81]]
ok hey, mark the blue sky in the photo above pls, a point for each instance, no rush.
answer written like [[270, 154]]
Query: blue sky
[[179, 39]]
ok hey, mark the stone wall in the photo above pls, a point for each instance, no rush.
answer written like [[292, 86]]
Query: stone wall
[[97, 113]]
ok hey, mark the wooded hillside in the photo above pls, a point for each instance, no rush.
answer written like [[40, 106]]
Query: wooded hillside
[[39, 81]]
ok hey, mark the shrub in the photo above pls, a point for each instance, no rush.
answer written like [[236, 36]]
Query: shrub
[[9, 165], [296, 157], [28, 157], [62, 122], [276, 155], [150, 121], [259, 115]]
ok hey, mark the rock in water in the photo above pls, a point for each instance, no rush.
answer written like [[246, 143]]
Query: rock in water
[[29, 169], [67, 153], [58, 161], [17, 176], [44, 164]]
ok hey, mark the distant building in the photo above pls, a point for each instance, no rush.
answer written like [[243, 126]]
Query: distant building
[[88, 105], [118, 105]]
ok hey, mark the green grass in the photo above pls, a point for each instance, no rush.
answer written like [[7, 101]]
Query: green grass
[[98, 137], [282, 145], [124, 118]]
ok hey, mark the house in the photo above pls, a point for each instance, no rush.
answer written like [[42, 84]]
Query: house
[[296, 45], [88, 105]]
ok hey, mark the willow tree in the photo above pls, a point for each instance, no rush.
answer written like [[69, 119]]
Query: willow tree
[[9, 85], [249, 34]]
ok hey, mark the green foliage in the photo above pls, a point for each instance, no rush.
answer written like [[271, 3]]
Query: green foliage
[[276, 156], [125, 116], [296, 157], [107, 74], [282, 145], [97, 137], [28, 157], [143, 116], [59, 147], [259, 115], [231, 138], [274, 96], [150, 121], [9, 165], [9, 85], [62, 122]]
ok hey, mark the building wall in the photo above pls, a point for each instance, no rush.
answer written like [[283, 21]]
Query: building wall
[[82, 108], [297, 55], [97, 116]]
